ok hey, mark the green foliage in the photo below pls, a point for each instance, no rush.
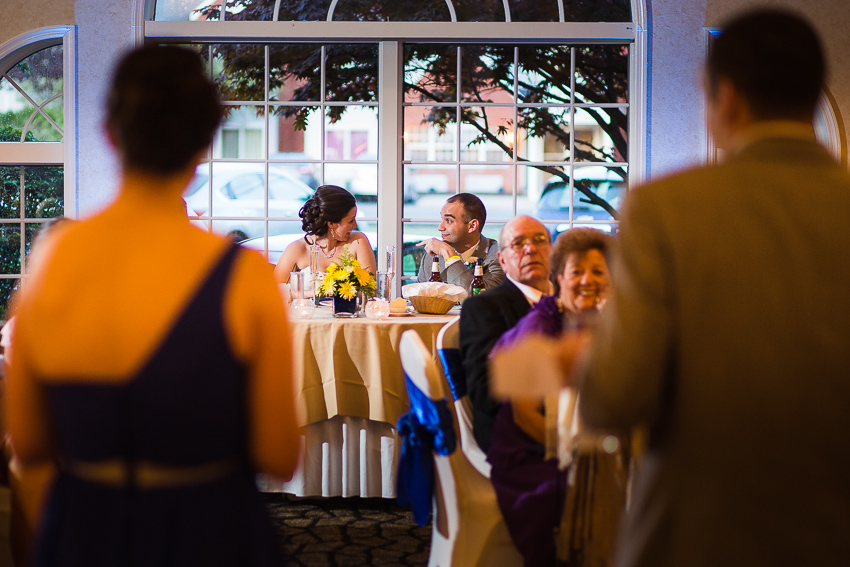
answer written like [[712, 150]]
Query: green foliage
[[40, 74], [7, 286], [40, 129], [10, 262], [10, 134]]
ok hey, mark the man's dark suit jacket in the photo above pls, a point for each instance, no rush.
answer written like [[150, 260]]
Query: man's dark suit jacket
[[483, 319]]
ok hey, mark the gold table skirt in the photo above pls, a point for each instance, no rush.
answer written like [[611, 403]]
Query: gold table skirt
[[351, 367]]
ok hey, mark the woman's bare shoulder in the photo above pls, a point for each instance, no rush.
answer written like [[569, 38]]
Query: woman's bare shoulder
[[296, 255], [359, 238]]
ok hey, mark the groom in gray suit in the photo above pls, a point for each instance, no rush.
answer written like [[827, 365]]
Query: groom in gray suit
[[728, 332], [461, 244]]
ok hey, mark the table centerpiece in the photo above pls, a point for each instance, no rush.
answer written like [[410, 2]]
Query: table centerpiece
[[346, 281]]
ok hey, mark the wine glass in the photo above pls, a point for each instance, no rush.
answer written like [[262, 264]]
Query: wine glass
[[390, 271]]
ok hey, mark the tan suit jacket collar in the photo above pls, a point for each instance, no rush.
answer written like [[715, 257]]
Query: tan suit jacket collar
[[779, 129]]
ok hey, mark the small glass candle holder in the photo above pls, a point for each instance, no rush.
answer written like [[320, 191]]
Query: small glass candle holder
[[302, 308], [298, 284], [377, 308]]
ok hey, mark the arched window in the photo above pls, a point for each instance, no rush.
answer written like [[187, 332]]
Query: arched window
[[828, 127], [36, 173], [403, 102]]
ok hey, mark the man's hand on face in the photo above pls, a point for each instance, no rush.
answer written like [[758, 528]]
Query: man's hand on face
[[436, 247]]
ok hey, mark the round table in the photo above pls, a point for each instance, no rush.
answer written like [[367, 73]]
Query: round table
[[350, 392]]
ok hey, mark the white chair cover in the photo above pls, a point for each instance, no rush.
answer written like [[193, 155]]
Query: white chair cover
[[468, 529], [448, 339]]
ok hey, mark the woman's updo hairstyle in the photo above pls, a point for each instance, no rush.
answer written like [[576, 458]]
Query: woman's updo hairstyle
[[328, 204], [162, 109]]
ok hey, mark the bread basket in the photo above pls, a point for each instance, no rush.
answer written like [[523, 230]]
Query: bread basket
[[433, 305]]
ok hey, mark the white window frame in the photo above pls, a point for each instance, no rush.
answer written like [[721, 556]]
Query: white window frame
[[390, 37]]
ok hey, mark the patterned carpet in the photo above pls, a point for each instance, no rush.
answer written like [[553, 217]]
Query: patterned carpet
[[341, 532]]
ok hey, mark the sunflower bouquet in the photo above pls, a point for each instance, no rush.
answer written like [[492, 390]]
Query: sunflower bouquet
[[346, 278]]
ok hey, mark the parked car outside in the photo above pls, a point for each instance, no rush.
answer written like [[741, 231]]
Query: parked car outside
[[299, 165], [554, 203], [239, 195]]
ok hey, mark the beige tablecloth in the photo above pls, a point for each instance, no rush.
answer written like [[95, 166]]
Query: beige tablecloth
[[350, 393], [351, 367]]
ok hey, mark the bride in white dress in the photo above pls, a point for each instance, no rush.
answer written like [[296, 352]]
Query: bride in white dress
[[328, 220]]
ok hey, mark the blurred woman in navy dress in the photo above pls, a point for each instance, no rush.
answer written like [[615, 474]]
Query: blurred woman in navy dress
[[152, 359]]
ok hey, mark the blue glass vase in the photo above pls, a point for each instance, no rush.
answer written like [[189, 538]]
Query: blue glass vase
[[345, 307]]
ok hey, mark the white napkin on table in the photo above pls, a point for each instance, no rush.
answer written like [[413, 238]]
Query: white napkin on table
[[435, 289]]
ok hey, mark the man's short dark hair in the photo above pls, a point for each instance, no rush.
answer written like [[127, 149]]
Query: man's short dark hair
[[774, 58], [473, 208]]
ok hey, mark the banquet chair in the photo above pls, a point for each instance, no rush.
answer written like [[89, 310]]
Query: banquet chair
[[468, 528], [449, 353]]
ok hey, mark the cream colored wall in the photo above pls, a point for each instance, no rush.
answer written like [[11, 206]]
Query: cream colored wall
[[104, 33], [21, 16], [676, 124], [831, 18]]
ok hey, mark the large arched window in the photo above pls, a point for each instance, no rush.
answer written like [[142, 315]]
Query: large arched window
[[829, 129], [37, 160], [403, 102]]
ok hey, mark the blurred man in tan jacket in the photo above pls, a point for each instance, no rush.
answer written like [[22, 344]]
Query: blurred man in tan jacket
[[728, 332]]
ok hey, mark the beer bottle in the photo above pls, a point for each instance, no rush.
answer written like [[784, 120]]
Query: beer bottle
[[435, 270], [478, 278]]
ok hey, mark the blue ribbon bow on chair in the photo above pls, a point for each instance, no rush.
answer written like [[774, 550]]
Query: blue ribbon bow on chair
[[428, 426]]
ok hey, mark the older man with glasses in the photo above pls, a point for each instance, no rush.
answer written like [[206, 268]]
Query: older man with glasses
[[525, 245]]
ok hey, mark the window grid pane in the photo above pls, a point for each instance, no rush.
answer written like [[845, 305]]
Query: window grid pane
[[526, 120], [315, 122], [394, 11], [546, 113], [31, 108]]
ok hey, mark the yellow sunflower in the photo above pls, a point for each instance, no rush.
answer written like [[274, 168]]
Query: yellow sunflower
[[328, 286], [347, 290], [363, 276]]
